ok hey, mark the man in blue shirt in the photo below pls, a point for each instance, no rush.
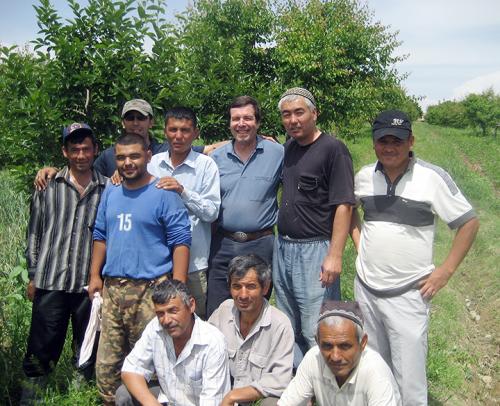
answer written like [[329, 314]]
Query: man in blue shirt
[[141, 236], [250, 171], [195, 178]]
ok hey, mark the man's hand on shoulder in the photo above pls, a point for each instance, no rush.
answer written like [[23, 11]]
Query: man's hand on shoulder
[[116, 179], [170, 183], [43, 176]]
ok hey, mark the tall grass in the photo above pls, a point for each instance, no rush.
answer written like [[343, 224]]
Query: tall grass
[[15, 310]]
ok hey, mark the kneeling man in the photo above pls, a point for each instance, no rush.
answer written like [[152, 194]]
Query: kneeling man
[[188, 355], [260, 337], [341, 370]]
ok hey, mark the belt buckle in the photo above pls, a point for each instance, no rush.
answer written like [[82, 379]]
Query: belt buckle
[[240, 236]]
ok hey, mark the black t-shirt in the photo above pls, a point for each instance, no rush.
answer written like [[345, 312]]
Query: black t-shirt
[[316, 178]]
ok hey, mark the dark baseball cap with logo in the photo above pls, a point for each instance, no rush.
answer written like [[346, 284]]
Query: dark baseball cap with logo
[[391, 122], [75, 128]]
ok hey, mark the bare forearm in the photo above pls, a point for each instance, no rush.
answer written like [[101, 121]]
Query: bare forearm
[[138, 388], [462, 242], [355, 229], [341, 227], [180, 259], [241, 395], [98, 258]]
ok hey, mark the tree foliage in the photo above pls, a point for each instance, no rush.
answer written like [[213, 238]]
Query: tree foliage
[[334, 49], [447, 114], [85, 67], [477, 111]]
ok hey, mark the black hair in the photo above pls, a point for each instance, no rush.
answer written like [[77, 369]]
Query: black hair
[[181, 113], [131, 139], [78, 136], [167, 290], [241, 265]]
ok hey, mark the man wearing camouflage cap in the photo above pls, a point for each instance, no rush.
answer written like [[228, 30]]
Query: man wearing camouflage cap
[[341, 369]]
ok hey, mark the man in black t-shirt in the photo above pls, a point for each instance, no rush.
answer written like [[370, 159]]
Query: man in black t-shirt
[[314, 217]]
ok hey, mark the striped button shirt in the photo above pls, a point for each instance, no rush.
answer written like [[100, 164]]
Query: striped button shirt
[[60, 233]]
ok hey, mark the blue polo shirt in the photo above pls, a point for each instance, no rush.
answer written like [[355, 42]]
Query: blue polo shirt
[[249, 189]]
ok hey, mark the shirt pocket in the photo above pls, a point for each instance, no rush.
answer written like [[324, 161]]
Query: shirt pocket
[[257, 364], [260, 188], [307, 188]]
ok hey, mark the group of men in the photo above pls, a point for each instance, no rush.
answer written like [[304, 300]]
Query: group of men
[[181, 237]]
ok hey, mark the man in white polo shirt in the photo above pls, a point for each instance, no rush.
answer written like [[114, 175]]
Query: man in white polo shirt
[[401, 197]]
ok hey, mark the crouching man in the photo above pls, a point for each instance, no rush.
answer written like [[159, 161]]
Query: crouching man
[[341, 370], [188, 355], [260, 337]]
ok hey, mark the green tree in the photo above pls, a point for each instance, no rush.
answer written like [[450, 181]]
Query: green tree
[[447, 114], [83, 70], [336, 50], [223, 53], [483, 110]]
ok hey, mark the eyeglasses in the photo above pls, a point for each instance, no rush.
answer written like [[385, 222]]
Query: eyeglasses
[[133, 117]]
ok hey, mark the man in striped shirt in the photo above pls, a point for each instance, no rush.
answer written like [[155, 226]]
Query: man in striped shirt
[[58, 255]]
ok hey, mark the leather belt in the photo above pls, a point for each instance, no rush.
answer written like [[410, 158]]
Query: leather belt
[[240, 236]]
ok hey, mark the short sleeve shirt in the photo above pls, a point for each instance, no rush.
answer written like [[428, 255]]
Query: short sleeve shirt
[[316, 179], [397, 234], [249, 189]]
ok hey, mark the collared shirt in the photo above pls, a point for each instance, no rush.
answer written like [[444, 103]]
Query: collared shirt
[[60, 233], [264, 358], [199, 376], [249, 189], [199, 176], [397, 234], [370, 384]]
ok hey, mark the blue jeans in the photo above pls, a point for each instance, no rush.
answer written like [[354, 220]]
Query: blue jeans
[[298, 291]]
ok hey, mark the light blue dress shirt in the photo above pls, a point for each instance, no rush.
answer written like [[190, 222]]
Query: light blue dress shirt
[[199, 176]]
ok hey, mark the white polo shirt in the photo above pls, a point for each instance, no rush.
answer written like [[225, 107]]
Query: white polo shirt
[[397, 234]]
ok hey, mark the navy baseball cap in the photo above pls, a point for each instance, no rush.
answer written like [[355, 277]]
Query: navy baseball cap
[[391, 122], [76, 128]]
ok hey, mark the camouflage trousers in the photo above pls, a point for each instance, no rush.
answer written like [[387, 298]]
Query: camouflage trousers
[[126, 310], [197, 285]]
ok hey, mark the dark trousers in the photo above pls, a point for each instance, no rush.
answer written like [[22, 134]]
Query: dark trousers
[[222, 251], [50, 316]]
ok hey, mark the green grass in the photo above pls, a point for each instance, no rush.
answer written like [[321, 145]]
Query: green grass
[[457, 350]]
